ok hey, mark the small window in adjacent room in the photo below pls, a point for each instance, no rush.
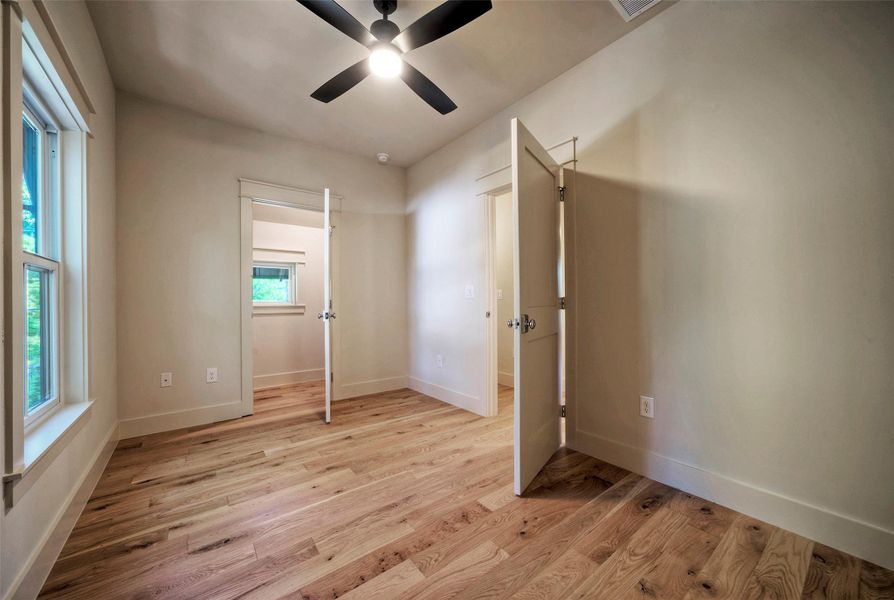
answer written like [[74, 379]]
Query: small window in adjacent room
[[274, 284], [40, 262]]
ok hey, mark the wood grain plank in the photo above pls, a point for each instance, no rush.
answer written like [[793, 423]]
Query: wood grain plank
[[832, 574], [727, 571], [392, 583], [403, 496], [782, 568]]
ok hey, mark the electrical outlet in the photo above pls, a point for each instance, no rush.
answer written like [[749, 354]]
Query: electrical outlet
[[211, 375], [647, 407], [167, 379], [439, 361]]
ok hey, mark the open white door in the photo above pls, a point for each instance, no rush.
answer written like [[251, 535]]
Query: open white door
[[535, 211], [328, 314]]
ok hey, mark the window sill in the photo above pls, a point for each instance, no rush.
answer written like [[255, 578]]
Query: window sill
[[281, 309], [48, 437]]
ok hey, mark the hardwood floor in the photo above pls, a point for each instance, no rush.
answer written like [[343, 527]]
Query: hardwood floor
[[403, 496]]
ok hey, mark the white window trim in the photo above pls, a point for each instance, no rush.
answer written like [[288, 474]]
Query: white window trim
[[32, 75], [290, 307]]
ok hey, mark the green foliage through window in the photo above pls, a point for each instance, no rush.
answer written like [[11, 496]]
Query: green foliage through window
[[30, 184], [271, 284], [37, 343]]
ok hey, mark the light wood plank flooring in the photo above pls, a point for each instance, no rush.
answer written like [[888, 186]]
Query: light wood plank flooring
[[406, 497]]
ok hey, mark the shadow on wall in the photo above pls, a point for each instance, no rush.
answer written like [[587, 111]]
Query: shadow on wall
[[652, 320]]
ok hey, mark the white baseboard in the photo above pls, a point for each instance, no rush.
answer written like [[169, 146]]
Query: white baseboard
[[180, 418], [864, 540], [504, 378], [343, 391], [458, 399], [271, 380], [37, 569]]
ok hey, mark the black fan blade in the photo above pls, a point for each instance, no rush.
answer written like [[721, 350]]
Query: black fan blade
[[440, 21], [342, 82], [427, 90], [331, 12]]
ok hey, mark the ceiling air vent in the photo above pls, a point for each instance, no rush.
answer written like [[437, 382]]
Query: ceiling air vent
[[631, 9]]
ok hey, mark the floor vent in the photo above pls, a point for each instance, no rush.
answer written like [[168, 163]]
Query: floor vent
[[631, 9]]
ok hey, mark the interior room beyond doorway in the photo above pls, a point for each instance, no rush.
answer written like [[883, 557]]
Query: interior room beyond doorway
[[287, 295]]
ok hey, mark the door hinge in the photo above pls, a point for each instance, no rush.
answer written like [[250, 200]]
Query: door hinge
[[562, 303], [331, 376], [561, 193], [563, 411]]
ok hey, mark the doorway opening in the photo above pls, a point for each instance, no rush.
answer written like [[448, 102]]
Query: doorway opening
[[503, 291], [526, 349], [287, 295], [289, 266]]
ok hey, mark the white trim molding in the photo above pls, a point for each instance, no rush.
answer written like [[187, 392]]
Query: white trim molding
[[273, 380], [343, 391], [865, 540], [439, 392], [179, 419], [506, 378], [42, 559]]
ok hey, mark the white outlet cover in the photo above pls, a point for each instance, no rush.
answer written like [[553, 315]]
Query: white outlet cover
[[439, 361], [647, 407], [499, 294], [167, 379], [470, 291], [211, 375]]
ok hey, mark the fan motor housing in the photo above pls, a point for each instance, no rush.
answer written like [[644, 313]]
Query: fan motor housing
[[384, 30], [386, 7]]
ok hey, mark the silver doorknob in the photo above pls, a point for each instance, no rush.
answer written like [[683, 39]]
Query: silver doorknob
[[320, 316], [331, 315], [527, 324], [512, 323]]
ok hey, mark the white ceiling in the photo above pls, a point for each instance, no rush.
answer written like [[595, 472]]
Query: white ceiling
[[256, 63]]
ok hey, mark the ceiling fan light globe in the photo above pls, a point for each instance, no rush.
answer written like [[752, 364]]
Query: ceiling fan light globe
[[385, 62]]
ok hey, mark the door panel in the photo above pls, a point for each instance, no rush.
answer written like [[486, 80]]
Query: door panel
[[535, 206], [328, 311]]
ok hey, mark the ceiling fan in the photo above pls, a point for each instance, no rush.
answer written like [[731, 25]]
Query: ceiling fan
[[387, 42]]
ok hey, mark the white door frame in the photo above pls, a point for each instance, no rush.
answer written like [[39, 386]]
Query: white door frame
[[488, 188], [250, 192]]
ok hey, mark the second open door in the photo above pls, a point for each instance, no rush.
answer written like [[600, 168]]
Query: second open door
[[535, 212], [328, 314]]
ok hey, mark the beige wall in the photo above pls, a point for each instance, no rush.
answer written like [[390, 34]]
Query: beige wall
[[505, 272], [288, 348], [735, 251], [33, 531], [178, 248]]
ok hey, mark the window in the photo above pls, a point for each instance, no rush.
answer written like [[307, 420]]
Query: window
[[273, 284], [40, 259]]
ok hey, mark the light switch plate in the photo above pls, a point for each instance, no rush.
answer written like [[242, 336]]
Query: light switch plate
[[167, 379], [211, 375], [439, 361], [470, 291], [499, 294]]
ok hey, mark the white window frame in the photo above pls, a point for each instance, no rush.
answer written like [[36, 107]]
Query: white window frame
[[293, 282], [37, 70], [47, 255]]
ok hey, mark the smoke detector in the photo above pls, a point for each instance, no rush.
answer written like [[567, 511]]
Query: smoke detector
[[383, 157], [630, 9]]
